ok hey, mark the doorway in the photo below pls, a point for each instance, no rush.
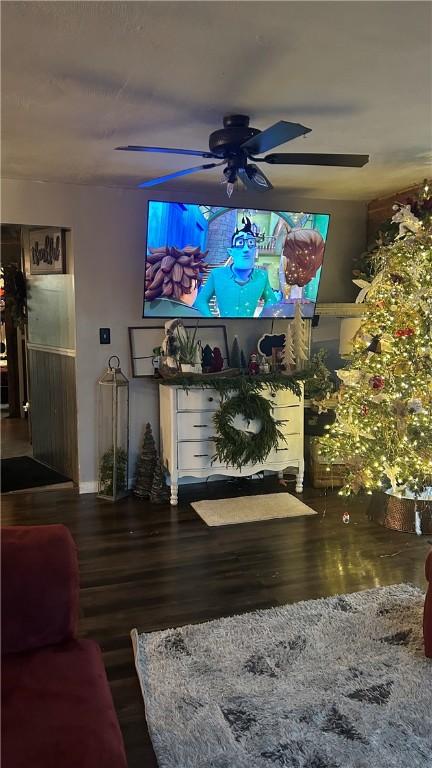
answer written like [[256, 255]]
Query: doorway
[[39, 425]]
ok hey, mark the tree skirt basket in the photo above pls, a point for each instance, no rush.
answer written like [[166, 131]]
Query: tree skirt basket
[[324, 474], [402, 514]]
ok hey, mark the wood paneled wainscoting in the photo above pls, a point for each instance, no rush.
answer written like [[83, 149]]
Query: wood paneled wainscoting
[[53, 408]]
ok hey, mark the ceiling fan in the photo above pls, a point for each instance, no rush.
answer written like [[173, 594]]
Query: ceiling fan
[[236, 144]]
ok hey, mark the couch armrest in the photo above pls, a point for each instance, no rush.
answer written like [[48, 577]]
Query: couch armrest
[[428, 568], [39, 586]]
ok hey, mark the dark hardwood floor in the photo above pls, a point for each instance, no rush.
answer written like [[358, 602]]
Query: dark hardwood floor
[[153, 567]]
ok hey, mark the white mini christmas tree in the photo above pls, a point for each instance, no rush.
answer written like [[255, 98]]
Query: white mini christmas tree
[[299, 339], [289, 356]]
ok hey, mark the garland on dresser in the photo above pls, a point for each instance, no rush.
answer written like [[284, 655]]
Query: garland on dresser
[[235, 447]]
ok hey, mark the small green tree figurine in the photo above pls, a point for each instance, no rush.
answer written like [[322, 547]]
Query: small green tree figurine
[[146, 464], [112, 472], [159, 491], [235, 357]]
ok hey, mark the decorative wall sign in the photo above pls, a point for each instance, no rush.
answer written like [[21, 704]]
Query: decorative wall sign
[[269, 342], [47, 251]]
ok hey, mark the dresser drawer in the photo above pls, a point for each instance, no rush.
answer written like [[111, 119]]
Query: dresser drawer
[[284, 398], [292, 450], [198, 400], [195, 425], [197, 455], [290, 418], [209, 399]]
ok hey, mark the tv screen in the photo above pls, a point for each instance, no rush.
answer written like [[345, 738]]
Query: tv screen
[[212, 261]]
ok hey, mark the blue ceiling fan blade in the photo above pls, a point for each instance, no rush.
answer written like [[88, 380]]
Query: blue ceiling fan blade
[[166, 150], [184, 172]]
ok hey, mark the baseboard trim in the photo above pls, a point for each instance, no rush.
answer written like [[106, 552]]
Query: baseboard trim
[[90, 486]]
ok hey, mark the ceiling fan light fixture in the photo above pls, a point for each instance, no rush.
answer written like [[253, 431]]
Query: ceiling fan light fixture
[[230, 174], [229, 188]]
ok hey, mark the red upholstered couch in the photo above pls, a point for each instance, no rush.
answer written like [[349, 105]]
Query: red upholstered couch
[[57, 710], [427, 617]]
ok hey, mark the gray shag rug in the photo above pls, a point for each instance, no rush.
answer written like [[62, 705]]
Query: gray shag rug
[[340, 682]]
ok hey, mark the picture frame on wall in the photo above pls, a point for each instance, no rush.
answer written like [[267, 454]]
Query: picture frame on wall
[[143, 340], [47, 251]]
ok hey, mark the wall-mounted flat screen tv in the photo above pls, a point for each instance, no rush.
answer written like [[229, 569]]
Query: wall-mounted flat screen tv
[[214, 261]]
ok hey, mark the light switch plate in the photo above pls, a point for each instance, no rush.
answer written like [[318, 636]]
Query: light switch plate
[[105, 335]]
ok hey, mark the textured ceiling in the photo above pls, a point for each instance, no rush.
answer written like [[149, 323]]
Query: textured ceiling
[[79, 78]]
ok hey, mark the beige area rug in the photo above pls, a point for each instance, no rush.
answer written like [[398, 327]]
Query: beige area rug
[[251, 509]]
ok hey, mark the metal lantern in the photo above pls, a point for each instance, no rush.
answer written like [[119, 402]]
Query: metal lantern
[[113, 436]]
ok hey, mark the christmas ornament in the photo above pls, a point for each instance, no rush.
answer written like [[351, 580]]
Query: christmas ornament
[[406, 220], [401, 367], [375, 345], [345, 518], [303, 253], [415, 405], [404, 332], [400, 411], [350, 377], [253, 366], [364, 410], [376, 382]]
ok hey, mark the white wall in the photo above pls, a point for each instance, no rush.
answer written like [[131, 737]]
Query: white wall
[[108, 227]]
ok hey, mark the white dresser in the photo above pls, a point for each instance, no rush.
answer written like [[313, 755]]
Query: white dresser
[[187, 432]]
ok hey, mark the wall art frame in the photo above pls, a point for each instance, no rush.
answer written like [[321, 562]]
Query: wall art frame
[[47, 247], [144, 339]]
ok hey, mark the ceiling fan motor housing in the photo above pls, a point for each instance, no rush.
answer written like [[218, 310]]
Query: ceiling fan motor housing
[[226, 141]]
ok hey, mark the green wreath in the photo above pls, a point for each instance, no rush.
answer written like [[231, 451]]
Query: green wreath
[[238, 448]]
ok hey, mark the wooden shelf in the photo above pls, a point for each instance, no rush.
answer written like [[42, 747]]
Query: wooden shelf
[[337, 309]]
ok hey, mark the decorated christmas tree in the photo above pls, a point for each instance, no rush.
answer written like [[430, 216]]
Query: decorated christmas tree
[[145, 465], [383, 429]]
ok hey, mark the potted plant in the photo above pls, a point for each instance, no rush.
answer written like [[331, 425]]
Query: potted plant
[[189, 351]]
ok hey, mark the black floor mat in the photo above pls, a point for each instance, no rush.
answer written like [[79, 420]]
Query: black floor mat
[[23, 472]]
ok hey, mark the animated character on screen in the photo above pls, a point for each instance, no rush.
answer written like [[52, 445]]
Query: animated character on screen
[[240, 286], [302, 256], [172, 279]]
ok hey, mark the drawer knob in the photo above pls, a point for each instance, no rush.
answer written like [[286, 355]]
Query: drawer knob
[[199, 455], [199, 426], [210, 399]]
